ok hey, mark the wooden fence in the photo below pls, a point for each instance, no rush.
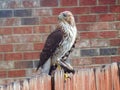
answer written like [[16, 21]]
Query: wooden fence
[[101, 78]]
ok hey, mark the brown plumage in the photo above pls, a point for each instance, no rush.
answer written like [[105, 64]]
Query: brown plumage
[[59, 44], [50, 46]]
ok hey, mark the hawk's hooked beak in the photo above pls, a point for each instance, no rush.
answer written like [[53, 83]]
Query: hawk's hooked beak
[[60, 17], [66, 17]]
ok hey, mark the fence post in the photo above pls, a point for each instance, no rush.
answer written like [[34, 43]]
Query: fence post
[[33, 84], [115, 76], [100, 78], [47, 82], [78, 80], [25, 85], [92, 83], [10, 86], [108, 79], [16, 86], [2, 88], [68, 83], [59, 80]]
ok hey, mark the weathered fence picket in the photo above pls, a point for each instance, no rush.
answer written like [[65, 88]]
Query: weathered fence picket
[[115, 76], [100, 78], [25, 85]]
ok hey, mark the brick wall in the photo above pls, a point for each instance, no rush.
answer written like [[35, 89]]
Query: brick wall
[[25, 24]]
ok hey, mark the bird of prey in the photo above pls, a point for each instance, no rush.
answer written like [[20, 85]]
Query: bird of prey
[[59, 44]]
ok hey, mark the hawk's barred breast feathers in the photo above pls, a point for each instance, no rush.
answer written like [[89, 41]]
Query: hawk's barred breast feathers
[[60, 42]]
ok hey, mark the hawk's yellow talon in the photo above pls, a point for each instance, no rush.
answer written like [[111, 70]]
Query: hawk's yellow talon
[[66, 76]]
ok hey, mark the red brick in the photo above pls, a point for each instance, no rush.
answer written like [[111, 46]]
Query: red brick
[[44, 37], [99, 43], [41, 29], [101, 60], [23, 64], [84, 43], [28, 3], [6, 48], [115, 42], [80, 10], [118, 1], [106, 17], [5, 31], [76, 62], [1, 57], [99, 9], [68, 2], [74, 10], [56, 11], [3, 74], [30, 21], [22, 30], [22, 38], [118, 17], [5, 65], [11, 39], [87, 18], [117, 25], [118, 33], [115, 58], [13, 56], [32, 38], [12, 4], [11, 21], [42, 12], [119, 51], [104, 2], [31, 55], [108, 34], [16, 73], [88, 35], [76, 19], [38, 46], [49, 20], [100, 26], [23, 47], [86, 60], [87, 2], [83, 27], [115, 9], [48, 3]]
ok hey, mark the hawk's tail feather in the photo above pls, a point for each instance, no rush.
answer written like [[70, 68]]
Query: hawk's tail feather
[[39, 66]]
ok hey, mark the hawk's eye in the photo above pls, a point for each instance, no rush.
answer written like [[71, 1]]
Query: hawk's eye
[[64, 15]]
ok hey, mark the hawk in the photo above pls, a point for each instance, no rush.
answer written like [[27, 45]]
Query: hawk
[[59, 44]]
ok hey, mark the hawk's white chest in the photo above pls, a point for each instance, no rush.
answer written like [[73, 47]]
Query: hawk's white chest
[[67, 42], [70, 37]]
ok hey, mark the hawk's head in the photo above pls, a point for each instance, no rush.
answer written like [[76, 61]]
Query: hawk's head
[[66, 17]]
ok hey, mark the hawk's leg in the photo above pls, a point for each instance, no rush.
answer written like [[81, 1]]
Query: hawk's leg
[[68, 69], [58, 65]]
